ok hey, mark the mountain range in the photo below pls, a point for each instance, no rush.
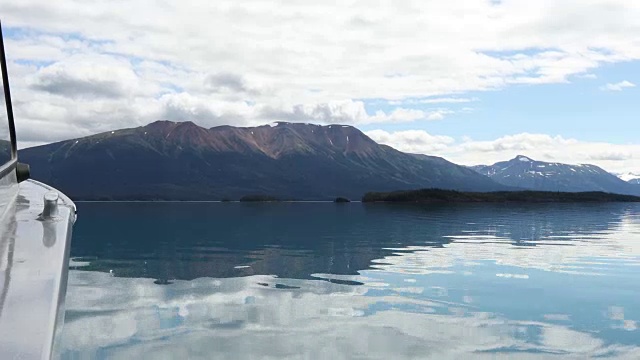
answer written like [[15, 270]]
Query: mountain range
[[183, 161], [524, 172]]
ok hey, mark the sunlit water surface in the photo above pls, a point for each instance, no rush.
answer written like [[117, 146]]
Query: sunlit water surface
[[345, 281]]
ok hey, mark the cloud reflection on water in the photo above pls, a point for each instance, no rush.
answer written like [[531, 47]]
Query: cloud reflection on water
[[131, 318], [566, 252], [512, 285]]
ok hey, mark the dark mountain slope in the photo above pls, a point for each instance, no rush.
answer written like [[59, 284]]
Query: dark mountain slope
[[167, 160]]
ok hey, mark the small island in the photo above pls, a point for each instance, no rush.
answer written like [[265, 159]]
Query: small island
[[447, 196], [341, 200], [259, 198]]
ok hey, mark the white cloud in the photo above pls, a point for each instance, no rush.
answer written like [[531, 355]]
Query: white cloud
[[229, 82], [616, 158], [296, 58], [589, 76], [441, 100], [408, 115], [618, 86], [517, 143], [347, 112], [87, 77], [412, 141], [452, 100], [205, 112], [628, 176]]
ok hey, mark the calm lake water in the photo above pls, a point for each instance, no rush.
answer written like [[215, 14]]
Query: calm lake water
[[353, 281]]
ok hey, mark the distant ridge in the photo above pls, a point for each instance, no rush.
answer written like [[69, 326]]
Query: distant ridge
[[168, 160], [450, 196], [526, 173]]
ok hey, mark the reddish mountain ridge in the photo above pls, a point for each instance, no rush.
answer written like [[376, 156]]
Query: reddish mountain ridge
[[183, 161], [273, 140]]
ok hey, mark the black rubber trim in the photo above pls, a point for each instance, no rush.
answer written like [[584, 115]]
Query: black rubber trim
[[23, 172]]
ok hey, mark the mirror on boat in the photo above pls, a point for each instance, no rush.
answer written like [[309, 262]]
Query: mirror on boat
[[5, 140]]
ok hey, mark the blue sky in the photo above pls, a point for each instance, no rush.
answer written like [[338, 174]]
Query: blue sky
[[579, 109], [472, 81]]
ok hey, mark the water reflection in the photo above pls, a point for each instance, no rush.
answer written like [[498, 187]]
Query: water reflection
[[356, 281], [7, 246], [192, 240], [237, 318]]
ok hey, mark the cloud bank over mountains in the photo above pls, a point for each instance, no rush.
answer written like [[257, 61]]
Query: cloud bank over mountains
[[81, 67], [466, 151]]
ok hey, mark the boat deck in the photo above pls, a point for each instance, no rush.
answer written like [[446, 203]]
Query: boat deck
[[34, 256]]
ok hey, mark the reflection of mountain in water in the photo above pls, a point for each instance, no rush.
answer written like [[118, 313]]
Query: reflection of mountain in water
[[295, 240]]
